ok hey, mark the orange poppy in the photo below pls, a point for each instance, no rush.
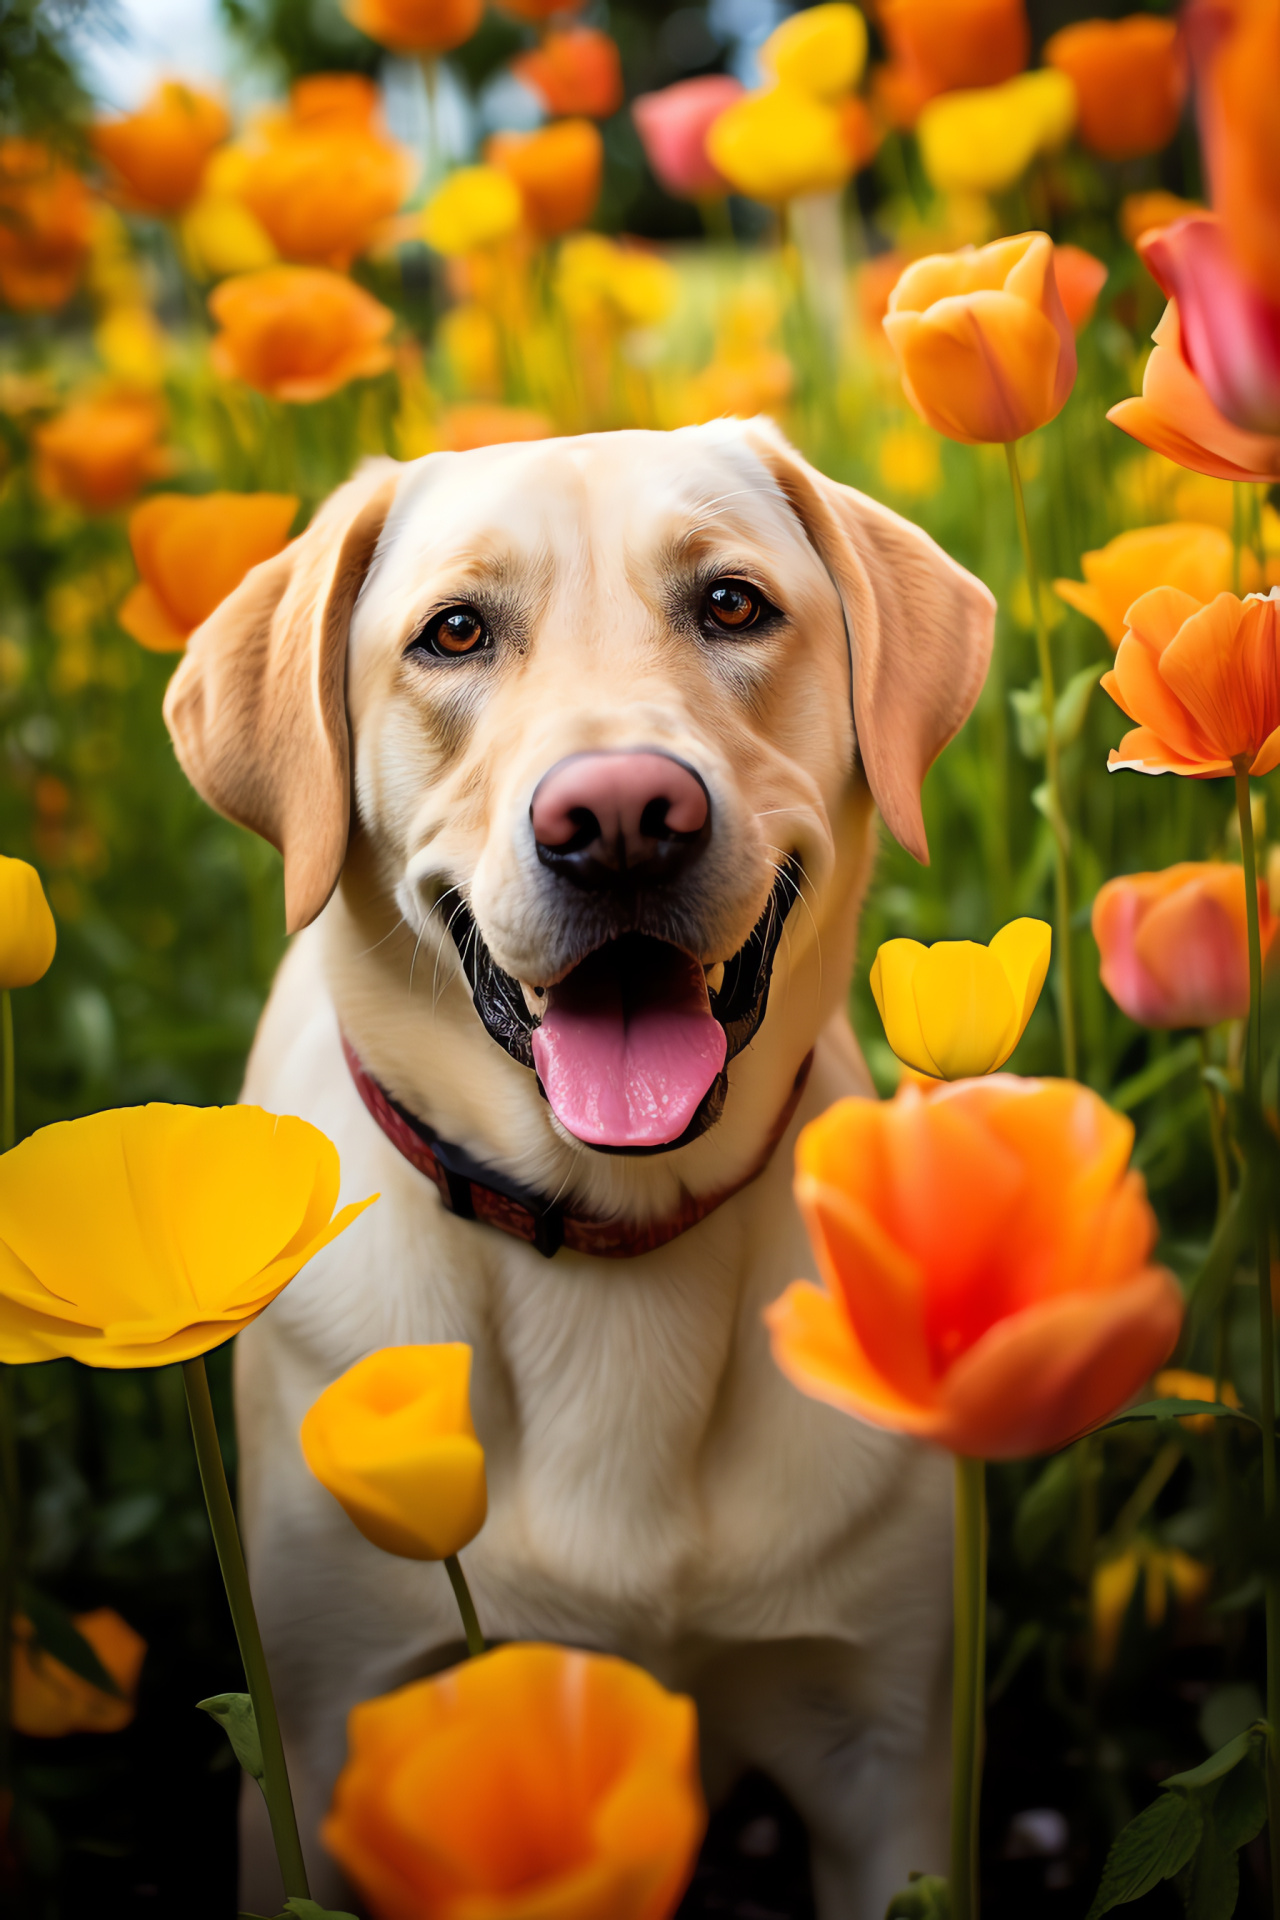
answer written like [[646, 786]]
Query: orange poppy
[[558, 171], [532, 1781], [98, 453], [1201, 682], [158, 155], [298, 333], [1176, 417], [1174, 945], [417, 26], [191, 552], [1236, 49], [577, 71], [936, 46], [1130, 78], [986, 1255], [50, 1701], [1081, 277], [323, 180], [46, 227]]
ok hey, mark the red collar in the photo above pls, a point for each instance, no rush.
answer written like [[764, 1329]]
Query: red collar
[[477, 1192]]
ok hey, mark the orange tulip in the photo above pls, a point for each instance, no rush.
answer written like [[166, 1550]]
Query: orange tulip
[[1174, 945], [528, 1783], [1236, 49], [579, 71], [486, 424], [46, 227], [49, 1700], [1081, 277], [985, 348], [986, 1259], [558, 170], [416, 26], [1202, 683], [936, 46], [323, 180], [298, 333], [1176, 417], [1130, 79], [191, 551], [333, 100], [1143, 212], [158, 155], [97, 454], [1180, 554]]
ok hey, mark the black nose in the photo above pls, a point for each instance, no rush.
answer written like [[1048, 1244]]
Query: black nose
[[613, 820]]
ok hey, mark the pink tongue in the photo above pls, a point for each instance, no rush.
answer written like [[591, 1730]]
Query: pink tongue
[[625, 1054]]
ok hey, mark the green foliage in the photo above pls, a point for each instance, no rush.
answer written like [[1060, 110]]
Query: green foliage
[[926, 1898], [40, 92], [234, 1714]]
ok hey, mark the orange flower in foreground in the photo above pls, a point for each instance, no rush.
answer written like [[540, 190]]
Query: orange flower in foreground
[[527, 1783], [298, 333], [579, 71], [1176, 417], [49, 1700], [97, 454], [159, 154], [1081, 277], [1202, 683], [1174, 945], [1130, 78], [985, 349], [191, 552], [986, 1258], [939, 45], [416, 26], [323, 179], [46, 227], [558, 170]]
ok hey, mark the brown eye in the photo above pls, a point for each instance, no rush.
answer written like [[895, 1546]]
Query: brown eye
[[733, 605], [452, 635]]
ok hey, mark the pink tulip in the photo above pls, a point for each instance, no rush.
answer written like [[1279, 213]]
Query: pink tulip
[[1230, 331], [673, 128], [1174, 946]]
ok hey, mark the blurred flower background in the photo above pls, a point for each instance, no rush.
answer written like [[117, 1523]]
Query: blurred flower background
[[245, 244]]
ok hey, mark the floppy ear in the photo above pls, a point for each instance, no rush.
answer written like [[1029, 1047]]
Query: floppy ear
[[919, 627], [257, 707]]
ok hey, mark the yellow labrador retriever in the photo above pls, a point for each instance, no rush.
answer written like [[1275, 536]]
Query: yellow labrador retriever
[[572, 751]]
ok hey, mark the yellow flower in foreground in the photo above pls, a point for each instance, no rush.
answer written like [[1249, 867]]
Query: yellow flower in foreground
[[821, 50], [28, 937], [958, 1008], [150, 1234], [49, 1700], [392, 1440], [984, 139], [475, 207], [1179, 554], [776, 145]]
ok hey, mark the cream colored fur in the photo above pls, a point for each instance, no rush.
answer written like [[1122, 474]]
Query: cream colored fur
[[656, 1487]]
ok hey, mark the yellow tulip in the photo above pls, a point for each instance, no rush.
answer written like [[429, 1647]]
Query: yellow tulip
[[475, 207], [821, 51], [777, 145], [1180, 554], [133, 346], [958, 1008], [392, 1440], [144, 1235], [28, 937], [984, 139]]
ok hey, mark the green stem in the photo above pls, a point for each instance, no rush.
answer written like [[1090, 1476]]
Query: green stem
[[1053, 780], [1141, 1500], [226, 1538], [466, 1605], [1266, 1325], [968, 1683], [8, 1119]]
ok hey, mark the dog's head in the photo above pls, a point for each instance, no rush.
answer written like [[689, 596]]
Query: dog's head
[[597, 705]]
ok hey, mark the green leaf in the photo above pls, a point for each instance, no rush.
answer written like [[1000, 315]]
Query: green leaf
[[1175, 1410], [1154, 1847], [927, 1898], [1240, 1803], [1141, 1086], [308, 1910], [1047, 1507], [57, 1634], [234, 1714], [1219, 1764], [1028, 720], [1213, 1282], [1073, 702], [1209, 1884]]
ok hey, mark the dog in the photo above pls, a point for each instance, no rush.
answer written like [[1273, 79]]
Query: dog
[[573, 751]]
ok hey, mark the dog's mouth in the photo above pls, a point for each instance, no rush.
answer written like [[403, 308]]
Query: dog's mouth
[[631, 1045]]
